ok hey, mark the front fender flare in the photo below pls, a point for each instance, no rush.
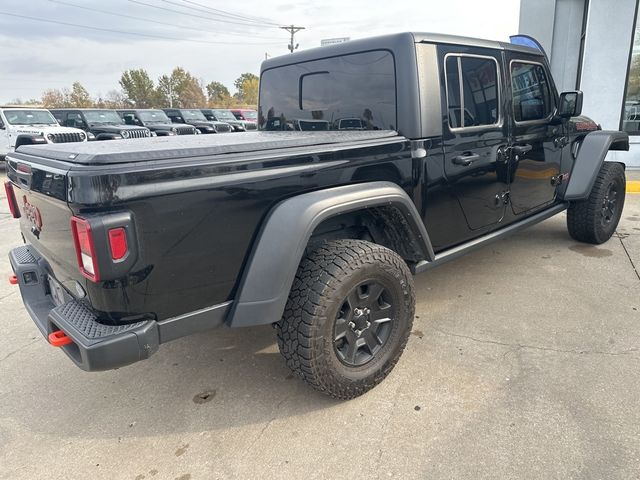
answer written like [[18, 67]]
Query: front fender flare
[[281, 242], [591, 155], [29, 139]]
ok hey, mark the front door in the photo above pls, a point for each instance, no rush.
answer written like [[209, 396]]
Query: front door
[[537, 141], [475, 134]]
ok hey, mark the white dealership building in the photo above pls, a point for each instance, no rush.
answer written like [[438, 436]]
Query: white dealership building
[[594, 46]]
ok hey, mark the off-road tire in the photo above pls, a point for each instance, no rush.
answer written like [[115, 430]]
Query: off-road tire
[[322, 283], [586, 219]]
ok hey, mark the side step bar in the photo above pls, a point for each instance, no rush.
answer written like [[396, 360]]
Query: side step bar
[[458, 251]]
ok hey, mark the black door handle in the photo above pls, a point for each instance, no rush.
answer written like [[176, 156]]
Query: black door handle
[[466, 159], [520, 149]]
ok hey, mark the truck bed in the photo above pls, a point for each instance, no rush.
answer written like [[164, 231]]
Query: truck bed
[[187, 146], [191, 198]]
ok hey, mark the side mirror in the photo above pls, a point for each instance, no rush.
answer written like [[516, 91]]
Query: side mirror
[[2, 127], [570, 104]]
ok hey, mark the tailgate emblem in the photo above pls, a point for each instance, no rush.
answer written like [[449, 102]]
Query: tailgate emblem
[[33, 214]]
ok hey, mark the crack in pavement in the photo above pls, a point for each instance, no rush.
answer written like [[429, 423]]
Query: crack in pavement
[[624, 247], [8, 295], [267, 425], [519, 346], [19, 349]]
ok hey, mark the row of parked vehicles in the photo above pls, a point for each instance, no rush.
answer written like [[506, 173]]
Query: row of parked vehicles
[[32, 126]]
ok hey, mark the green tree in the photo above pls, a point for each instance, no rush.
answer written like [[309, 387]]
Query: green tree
[[181, 90], [247, 86], [138, 88], [218, 94], [79, 96], [249, 91], [633, 87]]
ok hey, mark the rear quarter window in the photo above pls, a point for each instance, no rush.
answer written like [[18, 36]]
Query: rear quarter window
[[349, 92]]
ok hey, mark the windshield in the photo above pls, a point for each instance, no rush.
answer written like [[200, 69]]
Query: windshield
[[193, 115], [30, 117], [153, 116], [224, 115], [250, 114], [102, 116]]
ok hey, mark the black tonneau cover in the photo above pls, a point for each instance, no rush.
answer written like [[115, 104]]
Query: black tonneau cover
[[185, 146]]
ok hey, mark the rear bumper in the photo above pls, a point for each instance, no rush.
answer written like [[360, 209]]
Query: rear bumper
[[97, 346]]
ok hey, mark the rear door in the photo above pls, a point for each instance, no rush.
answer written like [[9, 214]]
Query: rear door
[[475, 133], [537, 143]]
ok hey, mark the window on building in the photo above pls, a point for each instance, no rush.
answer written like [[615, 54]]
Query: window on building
[[631, 113], [531, 93], [476, 103]]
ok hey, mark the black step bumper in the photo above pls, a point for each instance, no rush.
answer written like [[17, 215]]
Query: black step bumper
[[95, 346]]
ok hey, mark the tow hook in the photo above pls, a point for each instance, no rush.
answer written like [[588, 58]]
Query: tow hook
[[13, 280], [59, 339]]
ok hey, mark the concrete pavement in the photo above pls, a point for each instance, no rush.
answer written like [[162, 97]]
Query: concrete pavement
[[523, 363]]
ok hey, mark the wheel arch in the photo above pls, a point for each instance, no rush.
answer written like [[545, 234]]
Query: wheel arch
[[290, 226], [28, 139], [590, 158]]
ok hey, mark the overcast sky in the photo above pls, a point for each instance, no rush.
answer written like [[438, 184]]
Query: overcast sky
[[35, 55]]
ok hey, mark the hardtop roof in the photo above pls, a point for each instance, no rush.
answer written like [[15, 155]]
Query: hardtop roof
[[391, 42]]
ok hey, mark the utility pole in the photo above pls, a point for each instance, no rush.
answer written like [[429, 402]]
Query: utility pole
[[292, 29]]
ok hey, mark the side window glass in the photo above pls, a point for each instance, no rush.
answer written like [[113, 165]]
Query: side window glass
[[531, 93], [74, 120], [454, 106], [472, 91]]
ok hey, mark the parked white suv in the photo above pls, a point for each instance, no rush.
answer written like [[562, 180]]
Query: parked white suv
[[29, 126]]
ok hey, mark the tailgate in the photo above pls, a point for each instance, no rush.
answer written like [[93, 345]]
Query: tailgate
[[40, 191]]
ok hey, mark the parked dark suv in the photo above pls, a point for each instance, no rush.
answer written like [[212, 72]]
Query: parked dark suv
[[225, 115], [193, 116], [156, 121], [100, 124]]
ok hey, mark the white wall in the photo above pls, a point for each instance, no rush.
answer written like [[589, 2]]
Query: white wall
[[557, 24], [606, 58]]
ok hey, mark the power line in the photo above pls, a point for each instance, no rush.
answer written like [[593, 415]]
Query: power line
[[230, 14], [155, 21], [200, 16], [147, 35], [292, 29]]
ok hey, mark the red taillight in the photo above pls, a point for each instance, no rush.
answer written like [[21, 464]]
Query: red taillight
[[85, 248], [11, 198], [118, 243]]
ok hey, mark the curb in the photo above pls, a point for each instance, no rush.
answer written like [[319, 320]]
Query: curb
[[633, 186]]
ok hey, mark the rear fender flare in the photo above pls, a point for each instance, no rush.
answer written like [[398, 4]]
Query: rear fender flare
[[280, 245], [589, 160]]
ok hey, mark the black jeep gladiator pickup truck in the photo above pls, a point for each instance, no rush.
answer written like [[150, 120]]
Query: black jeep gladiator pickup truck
[[129, 244]]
